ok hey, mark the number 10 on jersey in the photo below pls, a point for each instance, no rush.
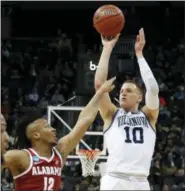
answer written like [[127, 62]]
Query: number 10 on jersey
[[134, 135]]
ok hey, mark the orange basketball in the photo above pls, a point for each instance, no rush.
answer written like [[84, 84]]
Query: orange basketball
[[108, 20]]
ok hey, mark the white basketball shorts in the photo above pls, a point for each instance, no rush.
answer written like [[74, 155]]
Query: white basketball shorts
[[131, 183]]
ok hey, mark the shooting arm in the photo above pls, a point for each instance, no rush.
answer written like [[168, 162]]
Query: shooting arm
[[107, 109], [102, 69], [86, 118], [152, 90]]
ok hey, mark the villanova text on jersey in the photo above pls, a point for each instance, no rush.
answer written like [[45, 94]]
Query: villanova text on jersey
[[132, 121]]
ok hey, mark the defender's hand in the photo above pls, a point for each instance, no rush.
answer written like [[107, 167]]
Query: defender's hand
[[109, 41], [140, 42], [108, 86]]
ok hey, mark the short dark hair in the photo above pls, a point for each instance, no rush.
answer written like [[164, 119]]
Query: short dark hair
[[22, 141], [141, 89]]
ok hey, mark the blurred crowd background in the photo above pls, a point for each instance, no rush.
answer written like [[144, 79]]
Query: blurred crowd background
[[46, 49]]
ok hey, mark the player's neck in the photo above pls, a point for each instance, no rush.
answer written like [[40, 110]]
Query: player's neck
[[133, 110], [43, 150]]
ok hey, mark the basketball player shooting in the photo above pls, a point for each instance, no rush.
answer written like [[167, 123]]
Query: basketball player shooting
[[130, 133], [38, 163]]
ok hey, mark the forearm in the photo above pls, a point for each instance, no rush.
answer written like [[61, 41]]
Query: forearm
[[152, 88], [102, 69]]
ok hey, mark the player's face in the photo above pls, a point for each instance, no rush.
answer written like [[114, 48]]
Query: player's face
[[129, 96], [45, 133], [4, 135]]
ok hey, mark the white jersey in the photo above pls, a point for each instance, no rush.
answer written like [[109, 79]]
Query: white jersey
[[130, 141]]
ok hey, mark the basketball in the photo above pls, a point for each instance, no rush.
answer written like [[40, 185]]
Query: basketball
[[108, 20]]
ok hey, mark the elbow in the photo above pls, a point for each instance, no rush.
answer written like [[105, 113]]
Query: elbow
[[97, 84], [155, 88]]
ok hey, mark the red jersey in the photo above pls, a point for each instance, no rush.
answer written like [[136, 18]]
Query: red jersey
[[42, 174]]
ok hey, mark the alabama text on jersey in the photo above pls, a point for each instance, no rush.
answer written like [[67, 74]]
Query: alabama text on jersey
[[42, 174]]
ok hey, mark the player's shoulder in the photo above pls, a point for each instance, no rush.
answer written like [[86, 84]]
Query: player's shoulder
[[109, 112], [14, 157], [152, 114], [152, 121], [109, 121], [15, 153]]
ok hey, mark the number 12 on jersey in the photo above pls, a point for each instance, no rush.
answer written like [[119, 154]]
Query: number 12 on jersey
[[131, 135], [48, 183]]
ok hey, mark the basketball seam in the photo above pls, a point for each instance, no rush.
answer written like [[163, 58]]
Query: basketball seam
[[106, 18]]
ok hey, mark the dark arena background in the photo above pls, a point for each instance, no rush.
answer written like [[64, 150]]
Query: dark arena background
[[46, 51]]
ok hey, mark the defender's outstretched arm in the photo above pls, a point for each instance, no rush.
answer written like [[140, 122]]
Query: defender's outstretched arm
[[86, 118]]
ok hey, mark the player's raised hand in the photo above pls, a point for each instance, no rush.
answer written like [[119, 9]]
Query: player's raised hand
[[109, 41], [140, 42], [108, 85]]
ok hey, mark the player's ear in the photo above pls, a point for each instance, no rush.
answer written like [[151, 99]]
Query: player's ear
[[36, 135], [140, 98]]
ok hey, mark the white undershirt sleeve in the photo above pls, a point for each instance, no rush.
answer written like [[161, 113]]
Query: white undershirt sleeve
[[152, 88]]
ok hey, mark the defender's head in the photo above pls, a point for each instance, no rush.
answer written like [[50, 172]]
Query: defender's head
[[4, 135], [131, 95], [33, 129]]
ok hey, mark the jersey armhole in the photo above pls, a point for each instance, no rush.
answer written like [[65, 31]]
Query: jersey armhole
[[28, 169], [58, 154], [154, 129], [111, 122]]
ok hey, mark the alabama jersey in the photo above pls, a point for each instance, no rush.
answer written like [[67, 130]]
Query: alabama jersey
[[130, 141], [42, 174]]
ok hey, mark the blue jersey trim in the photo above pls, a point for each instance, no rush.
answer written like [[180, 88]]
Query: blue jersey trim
[[149, 122]]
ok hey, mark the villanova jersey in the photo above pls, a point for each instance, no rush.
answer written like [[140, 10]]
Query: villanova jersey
[[130, 141], [42, 175]]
